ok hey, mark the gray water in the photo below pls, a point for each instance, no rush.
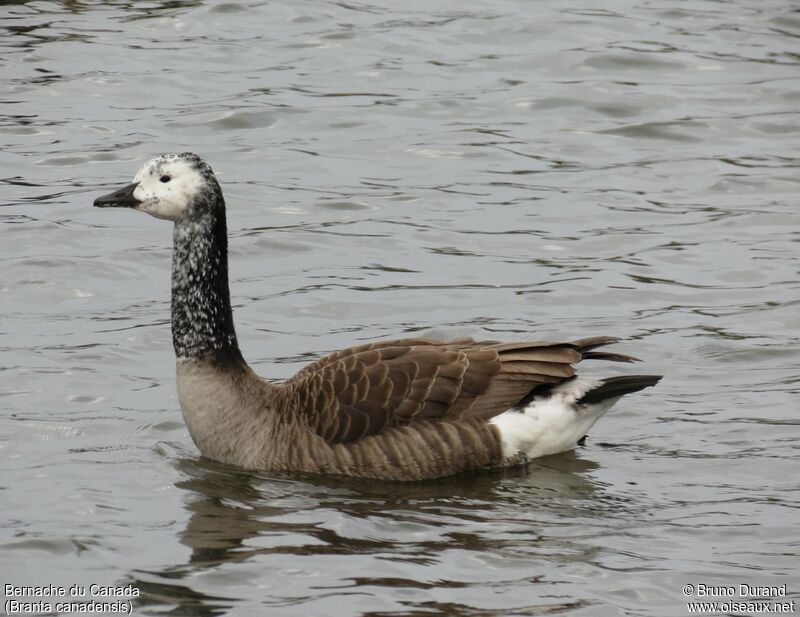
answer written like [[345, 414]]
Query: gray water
[[507, 169]]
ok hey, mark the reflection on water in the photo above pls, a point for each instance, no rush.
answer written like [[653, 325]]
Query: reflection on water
[[291, 523], [476, 169]]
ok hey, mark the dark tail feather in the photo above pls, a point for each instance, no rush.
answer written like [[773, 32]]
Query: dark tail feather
[[614, 387], [586, 346], [612, 357], [593, 342]]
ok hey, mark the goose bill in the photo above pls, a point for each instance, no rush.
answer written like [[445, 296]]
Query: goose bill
[[121, 198]]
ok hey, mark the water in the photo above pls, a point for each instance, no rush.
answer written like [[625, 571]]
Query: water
[[504, 169]]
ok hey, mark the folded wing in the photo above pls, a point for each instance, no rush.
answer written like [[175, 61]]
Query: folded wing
[[367, 389]]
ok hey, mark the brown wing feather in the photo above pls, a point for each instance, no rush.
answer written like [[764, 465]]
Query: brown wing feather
[[365, 390]]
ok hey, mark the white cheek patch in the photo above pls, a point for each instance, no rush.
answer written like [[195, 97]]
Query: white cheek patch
[[160, 206], [162, 209], [166, 200]]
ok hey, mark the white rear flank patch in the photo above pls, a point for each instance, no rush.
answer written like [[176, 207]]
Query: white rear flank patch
[[550, 424]]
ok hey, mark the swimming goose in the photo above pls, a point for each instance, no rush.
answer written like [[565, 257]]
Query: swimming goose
[[405, 409]]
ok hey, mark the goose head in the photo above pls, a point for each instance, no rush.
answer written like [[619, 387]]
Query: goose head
[[173, 187]]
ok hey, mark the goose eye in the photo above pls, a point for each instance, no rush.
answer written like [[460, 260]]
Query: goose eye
[[165, 179]]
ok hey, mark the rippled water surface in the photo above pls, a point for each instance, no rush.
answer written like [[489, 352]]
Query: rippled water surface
[[508, 169]]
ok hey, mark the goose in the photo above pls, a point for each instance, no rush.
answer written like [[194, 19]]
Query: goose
[[397, 410]]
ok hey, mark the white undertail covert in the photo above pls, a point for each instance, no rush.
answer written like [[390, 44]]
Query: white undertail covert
[[551, 423]]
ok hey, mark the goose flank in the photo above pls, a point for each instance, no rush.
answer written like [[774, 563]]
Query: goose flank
[[405, 409]]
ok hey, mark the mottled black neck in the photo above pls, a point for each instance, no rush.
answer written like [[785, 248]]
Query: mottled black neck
[[202, 319]]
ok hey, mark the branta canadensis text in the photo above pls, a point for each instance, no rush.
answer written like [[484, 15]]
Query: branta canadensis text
[[405, 409]]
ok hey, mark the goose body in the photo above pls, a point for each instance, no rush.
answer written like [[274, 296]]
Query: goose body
[[405, 409]]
